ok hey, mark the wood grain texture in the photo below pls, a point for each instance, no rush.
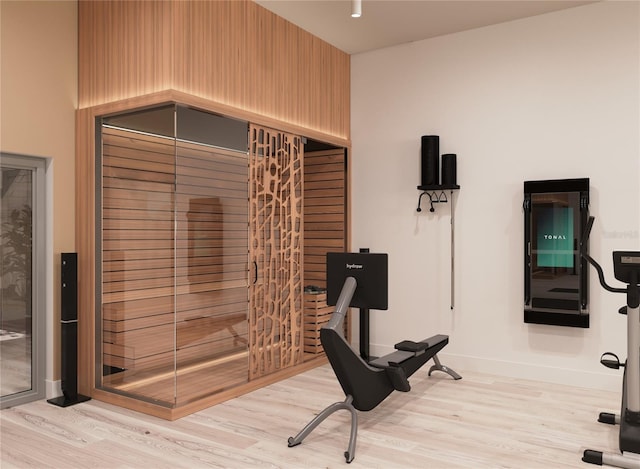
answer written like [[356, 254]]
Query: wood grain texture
[[479, 422], [316, 314], [275, 249], [232, 52], [325, 203], [86, 247]]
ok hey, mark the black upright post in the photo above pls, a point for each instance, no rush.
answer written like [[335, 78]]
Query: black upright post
[[69, 332], [364, 328]]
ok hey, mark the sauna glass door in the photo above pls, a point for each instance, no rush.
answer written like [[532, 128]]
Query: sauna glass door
[[173, 283], [211, 254]]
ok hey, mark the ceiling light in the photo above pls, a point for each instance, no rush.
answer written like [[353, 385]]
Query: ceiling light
[[356, 8]]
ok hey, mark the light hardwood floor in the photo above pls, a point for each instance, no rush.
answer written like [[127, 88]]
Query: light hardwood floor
[[481, 421]]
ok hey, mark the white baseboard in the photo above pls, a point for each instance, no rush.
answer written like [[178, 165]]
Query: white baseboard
[[53, 388], [550, 374]]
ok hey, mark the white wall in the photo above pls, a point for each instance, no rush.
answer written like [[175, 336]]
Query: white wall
[[549, 97]]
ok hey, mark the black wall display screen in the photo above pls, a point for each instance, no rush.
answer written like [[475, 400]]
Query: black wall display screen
[[554, 236], [555, 275]]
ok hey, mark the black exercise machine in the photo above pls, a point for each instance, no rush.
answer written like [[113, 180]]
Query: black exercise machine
[[362, 282], [626, 268]]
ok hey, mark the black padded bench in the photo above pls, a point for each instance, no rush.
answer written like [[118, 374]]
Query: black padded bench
[[408, 349], [411, 356]]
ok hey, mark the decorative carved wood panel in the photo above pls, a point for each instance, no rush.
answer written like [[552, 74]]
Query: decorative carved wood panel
[[276, 229]]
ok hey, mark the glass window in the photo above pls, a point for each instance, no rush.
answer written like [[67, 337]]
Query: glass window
[[21, 279]]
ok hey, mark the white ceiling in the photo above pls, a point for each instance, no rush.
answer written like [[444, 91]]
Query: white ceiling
[[387, 23]]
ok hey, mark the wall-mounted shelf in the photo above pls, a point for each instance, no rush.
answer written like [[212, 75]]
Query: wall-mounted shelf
[[436, 187], [438, 194]]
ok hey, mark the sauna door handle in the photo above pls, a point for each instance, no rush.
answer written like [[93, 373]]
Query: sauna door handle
[[255, 272]]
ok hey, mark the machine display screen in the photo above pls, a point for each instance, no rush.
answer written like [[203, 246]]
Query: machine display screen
[[371, 273], [554, 237]]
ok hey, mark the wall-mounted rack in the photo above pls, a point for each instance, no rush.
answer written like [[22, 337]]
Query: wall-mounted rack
[[438, 194]]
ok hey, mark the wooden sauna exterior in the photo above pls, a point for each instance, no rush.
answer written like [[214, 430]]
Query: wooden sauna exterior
[[261, 69]]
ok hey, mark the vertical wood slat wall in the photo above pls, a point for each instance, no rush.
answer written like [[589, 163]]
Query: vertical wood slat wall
[[276, 250], [174, 300], [232, 52]]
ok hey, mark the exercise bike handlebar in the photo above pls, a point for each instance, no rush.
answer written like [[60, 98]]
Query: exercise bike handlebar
[[583, 253]]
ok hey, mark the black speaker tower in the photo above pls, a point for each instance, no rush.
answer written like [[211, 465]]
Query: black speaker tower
[[69, 332], [430, 160], [449, 170]]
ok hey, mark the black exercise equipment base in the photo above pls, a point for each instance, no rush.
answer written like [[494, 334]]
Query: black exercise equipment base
[[626, 269], [592, 457], [64, 401], [629, 437], [367, 384]]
